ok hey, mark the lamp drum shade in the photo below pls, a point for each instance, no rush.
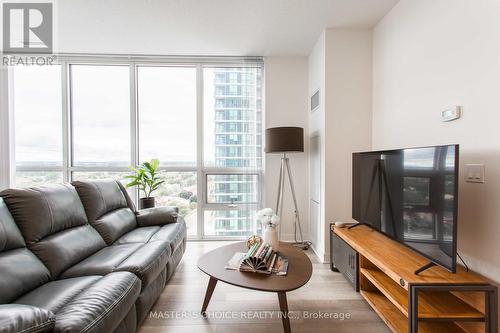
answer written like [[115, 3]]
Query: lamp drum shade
[[284, 139]]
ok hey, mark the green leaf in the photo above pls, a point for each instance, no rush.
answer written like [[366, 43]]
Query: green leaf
[[154, 164], [158, 183]]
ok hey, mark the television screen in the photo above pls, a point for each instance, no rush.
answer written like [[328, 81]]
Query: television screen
[[411, 196]]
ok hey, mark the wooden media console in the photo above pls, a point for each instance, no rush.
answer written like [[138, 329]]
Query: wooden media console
[[435, 301]]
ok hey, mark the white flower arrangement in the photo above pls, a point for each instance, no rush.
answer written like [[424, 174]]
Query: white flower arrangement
[[268, 218]]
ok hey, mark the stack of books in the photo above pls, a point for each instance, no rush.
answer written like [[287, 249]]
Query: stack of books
[[260, 258]]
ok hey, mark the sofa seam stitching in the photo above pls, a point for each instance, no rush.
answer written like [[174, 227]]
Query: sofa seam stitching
[[47, 323], [101, 195], [50, 212], [104, 202], [108, 309], [147, 267]]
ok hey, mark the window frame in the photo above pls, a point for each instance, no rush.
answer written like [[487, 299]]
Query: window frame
[[214, 205], [133, 63]]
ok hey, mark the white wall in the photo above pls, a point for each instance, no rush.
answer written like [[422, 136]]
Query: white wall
[[316, 73], [286, 105], [430, 55], [341, 62], [348, 115]]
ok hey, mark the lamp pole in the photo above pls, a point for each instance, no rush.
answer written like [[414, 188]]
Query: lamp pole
[[285, 171]]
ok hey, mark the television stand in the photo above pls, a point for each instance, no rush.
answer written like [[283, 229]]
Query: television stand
[[357, 225], [424, 267], [434, 301]]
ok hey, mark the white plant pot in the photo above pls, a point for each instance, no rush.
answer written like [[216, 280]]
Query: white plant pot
[[271, 238]]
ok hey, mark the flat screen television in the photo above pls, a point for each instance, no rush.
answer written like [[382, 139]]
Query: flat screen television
[[410, 195]]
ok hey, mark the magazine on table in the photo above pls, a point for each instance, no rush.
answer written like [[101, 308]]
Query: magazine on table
[[261, 259]]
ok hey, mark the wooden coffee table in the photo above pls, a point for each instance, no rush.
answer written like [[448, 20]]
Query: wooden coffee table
[[299, 272]]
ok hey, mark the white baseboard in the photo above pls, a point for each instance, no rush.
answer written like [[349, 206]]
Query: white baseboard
[[322, 256], [290, 237]]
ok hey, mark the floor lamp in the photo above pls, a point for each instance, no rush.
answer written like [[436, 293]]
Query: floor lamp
[[285, 140]]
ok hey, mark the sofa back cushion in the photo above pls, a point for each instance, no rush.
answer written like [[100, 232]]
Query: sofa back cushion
[[130, 202], [10, 236], [54, 225], [20, 270], [107, 208]]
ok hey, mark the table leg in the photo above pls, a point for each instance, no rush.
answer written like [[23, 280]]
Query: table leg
[[210, 290], [284, 311]]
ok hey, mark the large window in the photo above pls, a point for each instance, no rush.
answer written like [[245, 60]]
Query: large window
[[233, 117], [93, 118], [233, 148], [100, 113], [167, 114], [37, 102]]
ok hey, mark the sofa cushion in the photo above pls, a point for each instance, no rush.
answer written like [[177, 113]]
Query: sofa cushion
[[100, 197], [68, 247], [54, 225], [42, 211], [138, 235], [87, 304], [16, 318], [114, 224], [144, 260], [173, 233], [10, 236], [130, 202], [20, 272], [106, 207], [53, 296], [100, 307]]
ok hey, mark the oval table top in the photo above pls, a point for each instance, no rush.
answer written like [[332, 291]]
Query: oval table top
[[299, 269]]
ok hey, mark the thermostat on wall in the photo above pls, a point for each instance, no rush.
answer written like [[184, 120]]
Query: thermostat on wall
[[451, 114]]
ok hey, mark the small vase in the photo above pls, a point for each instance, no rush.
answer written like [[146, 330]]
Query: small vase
[[271, 238]]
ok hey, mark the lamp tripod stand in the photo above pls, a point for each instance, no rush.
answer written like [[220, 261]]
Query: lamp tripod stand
[[285, 171]]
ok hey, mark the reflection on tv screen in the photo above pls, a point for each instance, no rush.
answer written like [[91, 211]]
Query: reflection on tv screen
[[410, 195]]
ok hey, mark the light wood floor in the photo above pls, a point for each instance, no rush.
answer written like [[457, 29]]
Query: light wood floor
[[251, 311]]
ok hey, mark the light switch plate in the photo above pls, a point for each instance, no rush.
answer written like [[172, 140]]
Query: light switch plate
[[474, 173]]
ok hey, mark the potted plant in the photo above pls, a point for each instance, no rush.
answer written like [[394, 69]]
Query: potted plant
[[146, 178]]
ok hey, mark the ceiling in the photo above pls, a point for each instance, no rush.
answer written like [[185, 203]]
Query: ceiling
[[207, 27]]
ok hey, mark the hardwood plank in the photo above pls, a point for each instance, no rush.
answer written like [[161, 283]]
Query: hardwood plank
[[432, 305]]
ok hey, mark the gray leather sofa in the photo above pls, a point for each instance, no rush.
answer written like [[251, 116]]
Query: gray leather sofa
[[80, 258]]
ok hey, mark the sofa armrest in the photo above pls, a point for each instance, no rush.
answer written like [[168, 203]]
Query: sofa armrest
[[157, 216], [25, 318]]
